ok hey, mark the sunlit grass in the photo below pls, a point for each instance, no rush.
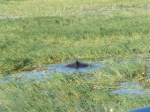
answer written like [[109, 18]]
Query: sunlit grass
[[44, 40], [52, 31], [73, 92], [37, 8]]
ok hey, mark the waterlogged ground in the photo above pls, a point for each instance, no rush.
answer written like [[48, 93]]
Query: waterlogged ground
[[132, 88], [127, 88], [47, 70], [38, 36]]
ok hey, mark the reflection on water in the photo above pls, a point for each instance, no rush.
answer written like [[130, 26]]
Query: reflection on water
[[50, 69], [95, 64], [131, 88]]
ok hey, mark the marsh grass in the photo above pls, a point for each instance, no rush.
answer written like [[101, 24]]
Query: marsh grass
[[44, 40], [55, 30], [71, 92]]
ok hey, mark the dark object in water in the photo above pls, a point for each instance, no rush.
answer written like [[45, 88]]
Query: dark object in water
[[77, 64]]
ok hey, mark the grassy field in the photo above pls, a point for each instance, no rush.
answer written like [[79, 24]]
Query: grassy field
[[38, 32]]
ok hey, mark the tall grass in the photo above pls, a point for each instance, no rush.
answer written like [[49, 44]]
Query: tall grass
[[43, 40], [38, 32], [72, 92]]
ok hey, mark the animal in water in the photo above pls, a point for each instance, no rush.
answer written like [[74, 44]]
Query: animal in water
[[77, 64]]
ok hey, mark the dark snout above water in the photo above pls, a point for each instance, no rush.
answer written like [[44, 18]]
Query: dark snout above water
[[77, 64]]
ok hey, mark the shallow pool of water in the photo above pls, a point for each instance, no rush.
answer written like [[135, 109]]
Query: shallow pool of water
[[50, 69], [131, 88], [95, 64]]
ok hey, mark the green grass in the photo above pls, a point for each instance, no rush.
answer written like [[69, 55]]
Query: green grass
[[56, 30], [73, 92], [43, 40]]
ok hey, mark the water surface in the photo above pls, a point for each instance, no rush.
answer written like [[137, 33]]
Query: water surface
[[95, 64]]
